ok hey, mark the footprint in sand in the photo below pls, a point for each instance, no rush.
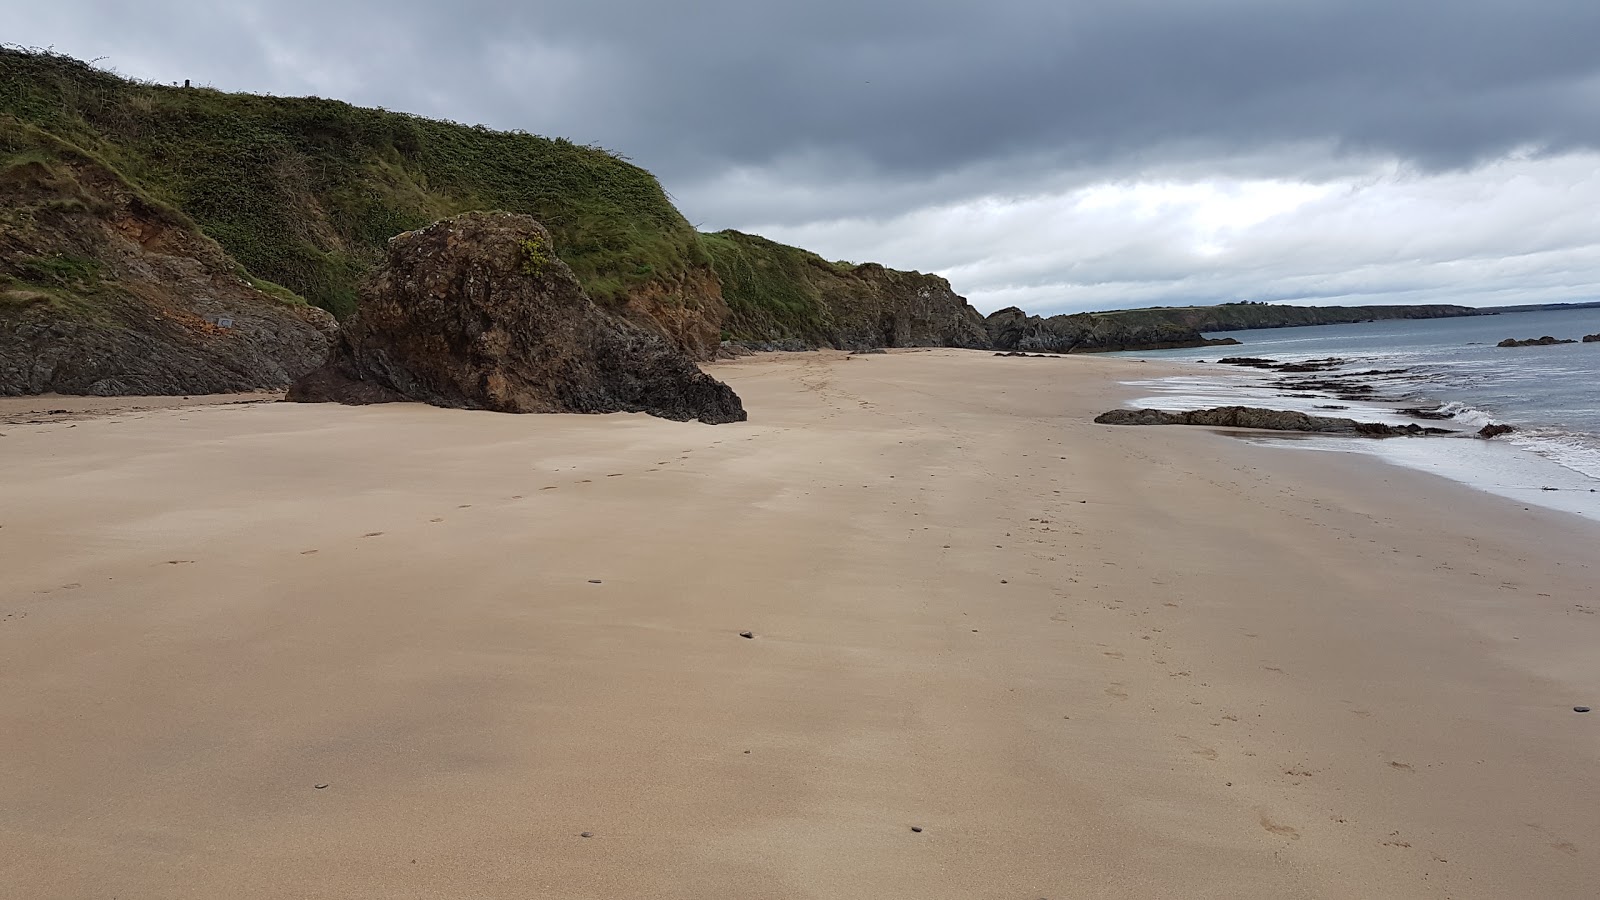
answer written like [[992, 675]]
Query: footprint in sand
[[1115, 690], [465, 506], [1201, 750], [1401, 767], [308, 552], [548, 488], [1114, 654], [1278, 829], [436, 520], [179, 562], [372, 534]]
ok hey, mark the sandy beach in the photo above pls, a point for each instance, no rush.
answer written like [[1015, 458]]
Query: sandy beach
[[273, 650]]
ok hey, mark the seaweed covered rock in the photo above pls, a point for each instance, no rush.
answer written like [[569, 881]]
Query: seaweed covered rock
[[476, 312], [1267, 419], [1546, 341]]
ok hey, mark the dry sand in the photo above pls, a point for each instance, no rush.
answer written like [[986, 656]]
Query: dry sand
[[273, 651]]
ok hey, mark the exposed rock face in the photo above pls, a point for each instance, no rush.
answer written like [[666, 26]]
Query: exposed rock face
[[103, 291], [788, 298], [1494, 429], [1545, 341], [476, 312], [1267, 419], [891, 308], [1591, 338], [1013, 329], [686, 308]]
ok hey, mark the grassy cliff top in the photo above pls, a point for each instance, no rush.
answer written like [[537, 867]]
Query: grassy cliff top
[[306, 191], [1242, 316]]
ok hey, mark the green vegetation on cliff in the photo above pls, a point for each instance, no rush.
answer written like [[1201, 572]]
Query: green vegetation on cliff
[[778, 293], [306, 191], [1243, 316], [772, 290]]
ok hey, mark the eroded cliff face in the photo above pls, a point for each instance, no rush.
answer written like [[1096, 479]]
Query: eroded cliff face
[[687, 309], [103, 291], [477, 312], [879, 307], [782, 295]]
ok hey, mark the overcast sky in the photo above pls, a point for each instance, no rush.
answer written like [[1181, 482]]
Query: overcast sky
[[1053, 154]]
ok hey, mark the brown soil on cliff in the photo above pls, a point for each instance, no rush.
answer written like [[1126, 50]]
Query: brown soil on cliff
[[104, 291]]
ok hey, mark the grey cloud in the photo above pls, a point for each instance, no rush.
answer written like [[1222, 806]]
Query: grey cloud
[[911, 88]]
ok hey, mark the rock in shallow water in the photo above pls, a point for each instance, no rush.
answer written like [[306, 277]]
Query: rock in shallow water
[[476, 312], [1267, 419], [1545, 341]]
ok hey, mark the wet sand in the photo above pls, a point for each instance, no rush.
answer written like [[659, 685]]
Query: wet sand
[[266, 651]]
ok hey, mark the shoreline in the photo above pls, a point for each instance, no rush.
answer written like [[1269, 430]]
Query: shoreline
[[1505, 467], [1083, 659]]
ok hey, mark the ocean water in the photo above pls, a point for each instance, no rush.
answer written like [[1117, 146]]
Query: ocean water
[[1550, 394]]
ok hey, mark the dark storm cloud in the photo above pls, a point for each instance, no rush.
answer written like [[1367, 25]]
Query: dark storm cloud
[[1055, 154], [908, 87]]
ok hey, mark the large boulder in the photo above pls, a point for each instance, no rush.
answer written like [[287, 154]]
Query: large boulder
[[476, 312]]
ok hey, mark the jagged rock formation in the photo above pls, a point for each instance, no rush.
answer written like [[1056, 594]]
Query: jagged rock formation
[[1591, 338], [1013, 329], [782, 297], [105, 291], [1545, 341], [1268, 419], [477, 312]]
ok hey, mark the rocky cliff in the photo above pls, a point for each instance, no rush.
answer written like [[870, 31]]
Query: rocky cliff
[[785, 295], [477, 312], [306, 191], [104, 290], [1012, 329]]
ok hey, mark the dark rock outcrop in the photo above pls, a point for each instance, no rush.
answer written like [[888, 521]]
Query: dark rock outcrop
[[784, 297], [1310, 365], [894, 308], [1494, 430], [1591, 338], [1013, 329], [1545, 341], [1266, 419], [476, 312], [105, 291]]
